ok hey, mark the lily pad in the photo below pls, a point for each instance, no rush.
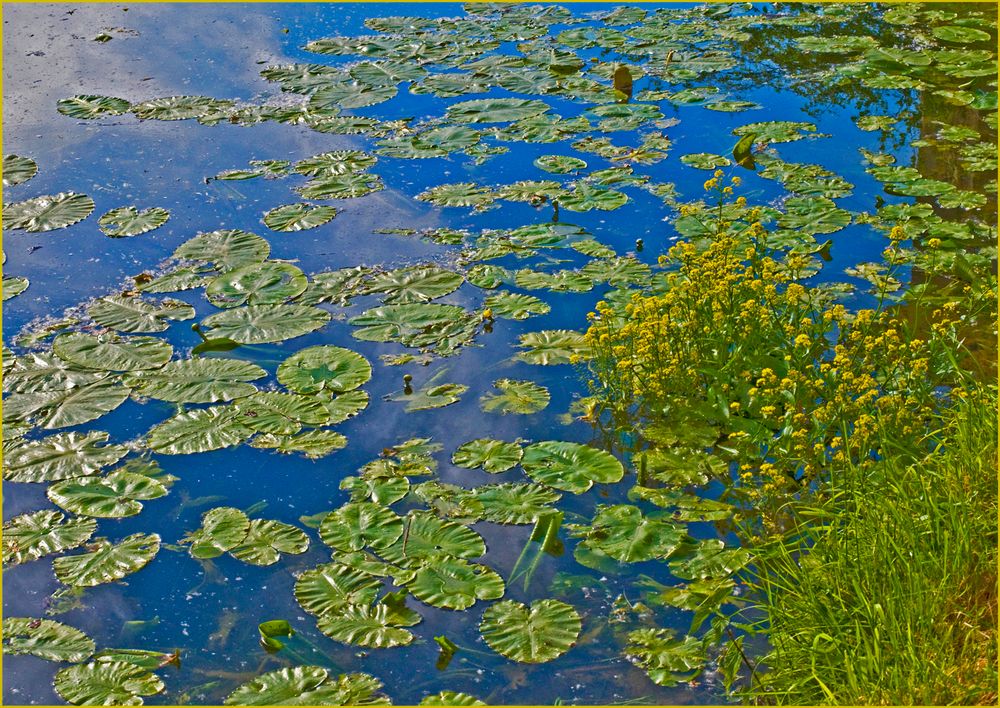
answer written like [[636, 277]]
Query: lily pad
[[359, 524], [259, 324], [222, 528], [46, 639], [198, 430], [328, 589], [542, 633], [226, 249], [179, 107], [88, 106], [337, 162], [415, 284], [451, 698], [521, 397], [198, 380], [494, 456], [12, 287], [17, 170], [324, 368], [281, 413], [515, 503], [298, 217], [264, 283], [107, 562], [311, 443], [560, 164], [516, 306], [571, 467], [266, 540], [495, 110], [586, 197], [341, 186], [426, 535], [109, 352], [404, 323], [41, 533], [60, 456], [114, 496], [308, 686], [462, 194], [133, 314], [129, 221], [455, 584], [666, 660], [46, 213], [431, 396], [61, 408], [705, 160], [552, 346], [624, 533], [365, 626]]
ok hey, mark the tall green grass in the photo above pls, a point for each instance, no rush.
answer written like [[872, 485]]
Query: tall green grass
[[887, 591]]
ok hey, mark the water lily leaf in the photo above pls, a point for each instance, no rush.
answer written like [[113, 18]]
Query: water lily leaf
[[60, 456], [46, 213], [344, 406], [264, 283], [133, 314], [705, 160], [521, 397], [17, 170], [179, 108], [198, 380], [349, 95], [107, 562], [324, 368], [451, 698], [41, 533], [337, 162], [494, 456], [666, 660], [495, 110], [298, 217], [586, 197], [343, 186], [560, 164], [358, 524], [109, 352], [198, 430], [404, 323], [542, 633], [222, 528], [814, 215], [266, 540], [62, 408], [365, 626], [281, 413], [89, 106], [571, 467], [106, 683], [415, 284], [424, 535], [430, 397], [619, 271], [380, 491], [387, 73], [732, 106], [114, 496], [776, 131], [311, 443], [12, 287], [177, 279], [43, 372], [259, 324], [960, 35], [515, 503], [226, 249], [552, 346], [624, 533], [462, 194], [336, 286], [328, 589], [455, 584], [129, 221], [46, 639], [711, 559], [308, 686], [516, 306]]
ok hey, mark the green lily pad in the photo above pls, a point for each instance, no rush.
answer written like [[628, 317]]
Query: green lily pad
[[451, 698], [198, 380], [46, 639], [624, 533], [814, 215], [426, 535], [666, 660], [298, 217], [455, 584], [46, 213], [226, 249], [495, 110], [365, 626], [60, 456], [106, 683], [328, 589], [87, 107], [337, 162], [404, 323], [342, 186], [259, 324], [266, 540], [521, 397], [62, 408], [311, 443], [107, 562], [462, 194], [324, 368], [17, 170], [308, 686], [12, 287], [222, 529], [133, 314], [516, 306], [41, 533], [560, 164], [380, 491], [431, 396], [281, 413], [552, 346], [960, 35], [198, 430], [349, 95], [705, 160], [542, 633], [487, 277], [515, 503], [109, 352], [359, 524], [586, 197], [711, 559], [114, 496], [494, 456], [415, 284], [571, 467], [179, 107], [264, 283], [129, 221]]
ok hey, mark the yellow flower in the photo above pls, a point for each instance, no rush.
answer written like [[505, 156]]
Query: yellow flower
[[934, 243]]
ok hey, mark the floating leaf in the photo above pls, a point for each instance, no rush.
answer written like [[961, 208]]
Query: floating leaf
[[106, 683], [960, 35], [344, 406], [403, 323], [107, 562], [516, 306], [12, 287], [222, 529], [455, 584], [365, 626], [344, 186], [381, 491], [133, 314], [542, 633], [311, 443], [60, 456], [298, 217], [426, 535], [227, 249], [493, 456], [179, 107], [711, 559], [585, 197], [308, 686], [359, 524], [552, 346], [46, 639], [41, 533], [116, 495], [264, 283], [129, 221], [198, 430], [198, 380], [495, 110], [328, 589], [462, 194], [109, 352], [17, 170], [571, 467], [47, 213], [259, 324], [415, 284], [814, 215], [266, 540], [337, 162], [666, 660], [451, 698], [624, 533], [281, 413], [270, 630], [88, 106], [560, 164], [706, 160], [515, 503], [324, 368], [430, 397], [66, 407], [521, 397]]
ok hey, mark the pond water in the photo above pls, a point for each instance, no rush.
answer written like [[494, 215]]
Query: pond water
[[209, 609]]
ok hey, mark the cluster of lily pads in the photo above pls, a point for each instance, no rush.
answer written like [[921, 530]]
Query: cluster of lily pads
[[112, 350]]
